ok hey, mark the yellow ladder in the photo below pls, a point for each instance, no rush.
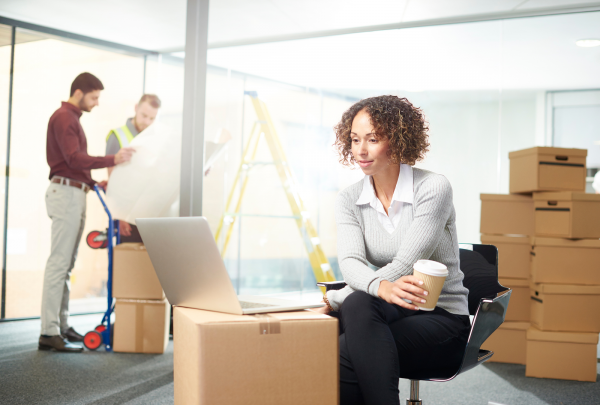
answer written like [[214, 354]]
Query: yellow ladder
[[263, 126]]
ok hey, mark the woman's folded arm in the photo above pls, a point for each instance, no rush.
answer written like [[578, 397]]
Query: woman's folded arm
[[432, 210]]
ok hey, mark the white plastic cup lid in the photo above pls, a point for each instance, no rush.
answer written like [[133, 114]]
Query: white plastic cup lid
[[431, 268]]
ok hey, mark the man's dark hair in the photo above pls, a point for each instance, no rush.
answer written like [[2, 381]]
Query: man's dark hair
[[86, 82]]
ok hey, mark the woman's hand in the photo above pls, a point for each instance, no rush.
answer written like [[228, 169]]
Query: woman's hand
[[405, 287], [321, 310]]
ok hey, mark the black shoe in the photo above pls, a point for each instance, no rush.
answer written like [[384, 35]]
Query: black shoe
[[72, 336], [58, 343]]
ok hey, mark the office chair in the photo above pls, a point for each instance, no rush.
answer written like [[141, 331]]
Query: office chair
[[488, 301]]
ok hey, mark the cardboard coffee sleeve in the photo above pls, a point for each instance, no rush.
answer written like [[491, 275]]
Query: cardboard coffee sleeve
[[433, 274]]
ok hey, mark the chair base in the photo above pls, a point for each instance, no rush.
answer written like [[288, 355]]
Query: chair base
[[414, 394]]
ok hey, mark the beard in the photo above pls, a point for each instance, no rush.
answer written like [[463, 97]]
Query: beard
[[83, 106]]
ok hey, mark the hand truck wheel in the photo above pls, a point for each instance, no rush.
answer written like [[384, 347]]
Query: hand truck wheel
[[100, 328], [97, 240], [92, 340]]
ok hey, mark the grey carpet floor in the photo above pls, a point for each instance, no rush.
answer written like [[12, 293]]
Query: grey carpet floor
[[28, 376]]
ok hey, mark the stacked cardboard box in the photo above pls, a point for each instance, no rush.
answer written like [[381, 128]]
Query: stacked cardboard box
[[507, 223], [279, 358], [142, 314], [563, 287]]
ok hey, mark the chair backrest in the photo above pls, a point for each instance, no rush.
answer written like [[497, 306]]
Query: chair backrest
[[488, 302], [479, 264]]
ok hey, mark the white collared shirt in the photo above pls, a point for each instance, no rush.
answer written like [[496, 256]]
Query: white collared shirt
[[403, 194]]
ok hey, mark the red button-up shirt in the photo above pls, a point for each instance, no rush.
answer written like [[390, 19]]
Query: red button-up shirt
[[66, 147]]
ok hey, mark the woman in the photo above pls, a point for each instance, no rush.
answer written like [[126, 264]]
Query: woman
[[395, 216]]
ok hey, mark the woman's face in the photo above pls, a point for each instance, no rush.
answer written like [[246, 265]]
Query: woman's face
[[369, 152]]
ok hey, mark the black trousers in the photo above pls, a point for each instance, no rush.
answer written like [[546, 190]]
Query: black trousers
[[381, 342]]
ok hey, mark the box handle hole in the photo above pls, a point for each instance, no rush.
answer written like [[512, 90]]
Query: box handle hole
[[563, 158], [552, 202]]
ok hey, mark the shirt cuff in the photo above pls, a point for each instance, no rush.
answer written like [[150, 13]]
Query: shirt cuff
[[374, 287], [332, 299]]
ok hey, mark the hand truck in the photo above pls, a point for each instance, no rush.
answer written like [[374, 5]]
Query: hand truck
[[103, 333]]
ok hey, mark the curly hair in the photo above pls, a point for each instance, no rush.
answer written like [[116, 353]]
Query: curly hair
[[393, 118]]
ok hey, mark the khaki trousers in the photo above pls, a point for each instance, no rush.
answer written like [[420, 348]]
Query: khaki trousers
[[66, 207]]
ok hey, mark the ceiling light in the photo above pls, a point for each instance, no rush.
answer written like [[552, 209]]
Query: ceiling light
[[588, 43]]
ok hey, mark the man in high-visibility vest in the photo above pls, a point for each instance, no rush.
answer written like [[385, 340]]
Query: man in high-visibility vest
[[145, 114]]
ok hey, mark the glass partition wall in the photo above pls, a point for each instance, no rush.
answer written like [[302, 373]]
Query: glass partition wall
[[482, 86], [44, 68], [486, 88]]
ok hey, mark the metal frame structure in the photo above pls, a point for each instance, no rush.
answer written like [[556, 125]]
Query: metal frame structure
[[194, 105]]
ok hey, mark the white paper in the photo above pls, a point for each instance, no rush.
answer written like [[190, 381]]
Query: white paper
[[148, 185]]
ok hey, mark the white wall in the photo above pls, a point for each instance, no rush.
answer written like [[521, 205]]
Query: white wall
[[471, 135]]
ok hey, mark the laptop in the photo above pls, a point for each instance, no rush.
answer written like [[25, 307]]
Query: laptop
[[192, 273]]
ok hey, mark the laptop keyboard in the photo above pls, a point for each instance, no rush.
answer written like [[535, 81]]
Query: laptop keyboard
[[250, 305]]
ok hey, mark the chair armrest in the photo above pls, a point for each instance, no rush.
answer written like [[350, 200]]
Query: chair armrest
[[332, 285]]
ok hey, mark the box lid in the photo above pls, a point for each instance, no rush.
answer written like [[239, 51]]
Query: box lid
[[202, 317], [130, 246], [534, 333], [566, 289], [513, 282], [545, 150], [515, 325], [505, 197], [568, 243], [518, 240], [565, 196], [132, 301]]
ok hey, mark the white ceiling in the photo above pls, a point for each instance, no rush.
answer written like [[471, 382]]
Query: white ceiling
[[526, 53], [160, 24]]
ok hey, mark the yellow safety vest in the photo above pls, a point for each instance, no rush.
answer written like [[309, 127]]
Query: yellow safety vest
[[123, 135]]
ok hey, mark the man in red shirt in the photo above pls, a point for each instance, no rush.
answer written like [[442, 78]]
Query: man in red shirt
[[70, 180]]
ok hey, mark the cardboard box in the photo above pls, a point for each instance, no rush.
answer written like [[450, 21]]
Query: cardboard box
[[567, 214], [565, 261], [561, 355], [505, 214], [547, 169], [514, 255], [565, 308], [280, 358], [518, 307], [141, 326], [508, 342], [133, 274]]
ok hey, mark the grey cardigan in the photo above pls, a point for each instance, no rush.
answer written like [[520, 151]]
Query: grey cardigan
[[427, 231]]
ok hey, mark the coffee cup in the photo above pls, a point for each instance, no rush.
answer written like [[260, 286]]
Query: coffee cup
[[433, 274]]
